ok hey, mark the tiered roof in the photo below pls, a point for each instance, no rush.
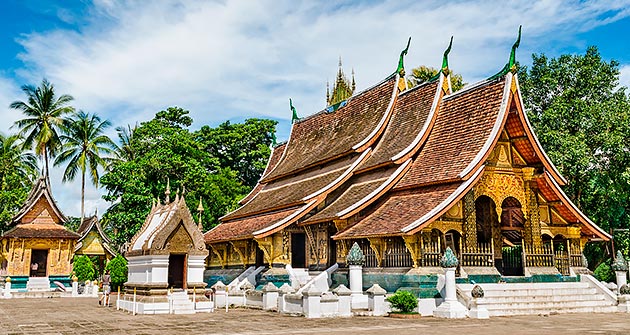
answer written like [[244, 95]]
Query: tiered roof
[[40, 217], [401, 158], [93, 224]]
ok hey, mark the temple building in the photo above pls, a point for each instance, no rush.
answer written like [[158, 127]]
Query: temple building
[[39, 249], [406, 173], [94, 242]]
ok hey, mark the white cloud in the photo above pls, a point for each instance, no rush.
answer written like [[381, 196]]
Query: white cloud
[[624, 76], [9, 91], [236, 59]]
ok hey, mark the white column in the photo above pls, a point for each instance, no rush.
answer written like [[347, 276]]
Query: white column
[[450, 308], [345, 302], [376, 300], [7, 289], [356, 279], [75, 288]]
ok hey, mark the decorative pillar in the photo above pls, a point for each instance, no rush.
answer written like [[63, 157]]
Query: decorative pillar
[[355, 261], [470, 220], [7, 288], [450, 308], [532, 231], [282, 292], [376, 300], [345, 301], [75, 286], [311, 303], [270, 297], [621, 268], [477, 312]]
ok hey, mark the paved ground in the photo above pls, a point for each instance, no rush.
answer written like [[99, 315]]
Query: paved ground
[[84, 316]]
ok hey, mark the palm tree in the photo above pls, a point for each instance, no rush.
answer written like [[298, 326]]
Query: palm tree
[[15, 160], [84, 148], [45, 114]]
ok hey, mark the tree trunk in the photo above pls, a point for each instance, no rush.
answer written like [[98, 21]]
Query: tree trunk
[[46, 163], [82, 196]]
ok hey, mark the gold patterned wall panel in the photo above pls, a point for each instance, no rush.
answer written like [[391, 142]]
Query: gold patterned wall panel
[[498, 186], [60, 253]]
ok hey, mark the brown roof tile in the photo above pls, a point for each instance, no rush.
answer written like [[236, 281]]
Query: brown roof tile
[[35, 230], [398, 211], [360, 187], [464, 122], [276, 154], [408, 118], [291, 191], [245, 227], [327, 135]]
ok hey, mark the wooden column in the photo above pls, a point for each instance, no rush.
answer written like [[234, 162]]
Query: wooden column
[[470, 220]]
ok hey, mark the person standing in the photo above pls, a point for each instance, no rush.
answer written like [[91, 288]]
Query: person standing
[[106, 288]]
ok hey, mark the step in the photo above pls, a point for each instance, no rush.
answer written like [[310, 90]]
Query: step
[[537, 311], [520, 286], [544, 298], [548, 305]]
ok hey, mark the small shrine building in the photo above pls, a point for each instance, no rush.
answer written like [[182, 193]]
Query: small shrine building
[[406, 173], [168, 252], [94, 242], [39, 246]]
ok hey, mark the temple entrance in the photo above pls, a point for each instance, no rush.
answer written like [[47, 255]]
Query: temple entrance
[[298, 250], [512, 224], [260, 257], [177, 270], [39, 261], [488, 230]]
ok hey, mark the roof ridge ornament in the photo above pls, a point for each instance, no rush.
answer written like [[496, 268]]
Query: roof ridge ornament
[[167, 193], [401, 66], [444, 68], [295, 116], [511, 64]]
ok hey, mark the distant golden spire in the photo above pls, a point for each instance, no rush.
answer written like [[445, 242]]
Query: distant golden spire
[[342, 89]]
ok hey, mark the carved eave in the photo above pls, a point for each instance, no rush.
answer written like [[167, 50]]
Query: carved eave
[[592, 227], [93, 222], [533, 140]]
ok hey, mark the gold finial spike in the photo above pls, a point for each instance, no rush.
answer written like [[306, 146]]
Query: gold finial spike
[[200, 207], [168, 190], [200, 210]]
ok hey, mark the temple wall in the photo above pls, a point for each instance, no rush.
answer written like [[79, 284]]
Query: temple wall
[[60, 253]]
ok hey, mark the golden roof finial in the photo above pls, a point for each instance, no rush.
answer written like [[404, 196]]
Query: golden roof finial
[[168, 191], [200, 210]]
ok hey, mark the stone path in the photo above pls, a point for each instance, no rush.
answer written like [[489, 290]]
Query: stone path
[[84, 316]]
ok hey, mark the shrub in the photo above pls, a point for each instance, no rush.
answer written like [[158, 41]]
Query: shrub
[[83, 268], [604, 273], [117, 270], [403, 301]]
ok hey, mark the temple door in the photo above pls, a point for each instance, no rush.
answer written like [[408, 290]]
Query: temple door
[[177, 270], [298, 250], [39, 263]]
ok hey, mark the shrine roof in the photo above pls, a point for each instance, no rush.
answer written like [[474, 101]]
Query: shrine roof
[[40, 189], [38, 230], [410, 113], [466, 120], [327, 135], [89, 224], [245, 227], [295, 190]]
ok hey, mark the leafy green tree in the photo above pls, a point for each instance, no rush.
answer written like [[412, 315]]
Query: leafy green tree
[[117, 270], [164, 149], [18, 169], [423, 73], [582, 119], [85, 147], [45, 115], [83, 268], [243, 147]]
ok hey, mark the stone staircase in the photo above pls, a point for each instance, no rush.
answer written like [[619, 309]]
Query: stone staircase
[[540, 298], [38, 284], [180, 303]]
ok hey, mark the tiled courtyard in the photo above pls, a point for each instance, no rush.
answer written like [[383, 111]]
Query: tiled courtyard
[[84, 316]]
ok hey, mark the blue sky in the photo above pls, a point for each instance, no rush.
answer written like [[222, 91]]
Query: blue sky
[[230, 60]]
